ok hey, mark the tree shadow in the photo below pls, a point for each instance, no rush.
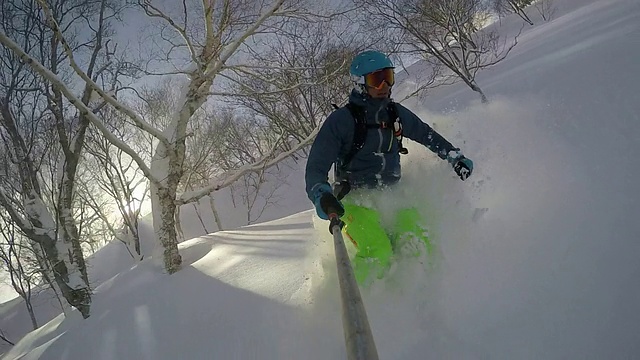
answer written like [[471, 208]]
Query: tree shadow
[[271, 227], [187, 315], [290, 244]]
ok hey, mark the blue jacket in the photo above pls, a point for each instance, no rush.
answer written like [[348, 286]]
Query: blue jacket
[[378, 162]]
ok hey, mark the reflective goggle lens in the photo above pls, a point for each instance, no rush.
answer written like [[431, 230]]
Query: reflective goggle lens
[[377, 78]]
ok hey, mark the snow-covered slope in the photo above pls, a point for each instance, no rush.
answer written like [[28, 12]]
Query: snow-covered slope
[[537, 253]]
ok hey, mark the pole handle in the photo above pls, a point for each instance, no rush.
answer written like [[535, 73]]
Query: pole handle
[[334, 220]]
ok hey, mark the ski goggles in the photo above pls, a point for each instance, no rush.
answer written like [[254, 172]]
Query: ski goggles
[[377, 78]]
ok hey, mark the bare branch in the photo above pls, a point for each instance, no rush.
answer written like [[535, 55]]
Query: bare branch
[[110, 99], [84, 110], [154, 12], [233, 47], [3, 337], [264, 163]]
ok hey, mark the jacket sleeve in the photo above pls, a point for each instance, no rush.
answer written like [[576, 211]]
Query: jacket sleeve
[[415, 129], [326, 148]]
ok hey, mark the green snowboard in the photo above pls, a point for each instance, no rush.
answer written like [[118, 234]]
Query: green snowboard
[[375, 245]]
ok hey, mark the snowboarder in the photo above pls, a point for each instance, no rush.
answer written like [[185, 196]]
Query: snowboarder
[[364, 141]]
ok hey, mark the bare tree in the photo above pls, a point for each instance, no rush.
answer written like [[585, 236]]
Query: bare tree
[[546, 9], [307, 73], [34, 109], [116, 177], [201, 58], [444, 33], [244, 139], [257, 192], [93, 231], [517, 7], [17, 256]]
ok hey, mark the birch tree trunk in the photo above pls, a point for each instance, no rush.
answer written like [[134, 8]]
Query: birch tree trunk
[[199, 215], [216, 216], [69, 275], [166, 165]]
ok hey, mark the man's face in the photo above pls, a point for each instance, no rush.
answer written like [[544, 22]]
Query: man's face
[[381, 93], [379, 83]]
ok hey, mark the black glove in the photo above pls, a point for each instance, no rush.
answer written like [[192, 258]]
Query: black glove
[[463, 167], [331, 205]]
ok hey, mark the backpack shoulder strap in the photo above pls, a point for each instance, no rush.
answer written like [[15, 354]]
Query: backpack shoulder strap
[[393, 112], [359, 132]]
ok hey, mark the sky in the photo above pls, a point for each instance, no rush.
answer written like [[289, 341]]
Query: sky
[[536, 254]]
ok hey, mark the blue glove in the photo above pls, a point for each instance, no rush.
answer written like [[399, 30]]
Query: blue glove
[[461, 165], [324, 201]]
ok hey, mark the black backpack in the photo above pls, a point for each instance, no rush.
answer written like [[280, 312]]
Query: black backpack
[[361, 129]]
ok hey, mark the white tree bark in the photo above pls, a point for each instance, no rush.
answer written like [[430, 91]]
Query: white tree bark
[[216, 215], [40, 226]]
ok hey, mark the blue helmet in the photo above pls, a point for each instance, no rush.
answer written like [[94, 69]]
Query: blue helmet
[[368, 62]]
